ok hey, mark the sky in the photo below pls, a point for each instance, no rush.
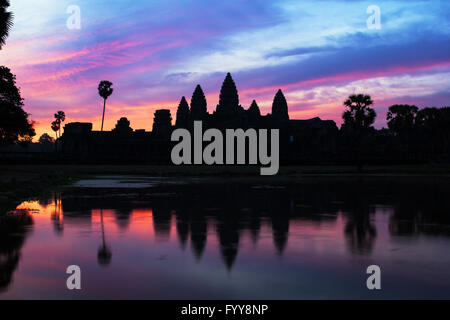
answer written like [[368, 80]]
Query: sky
[[318, 52]]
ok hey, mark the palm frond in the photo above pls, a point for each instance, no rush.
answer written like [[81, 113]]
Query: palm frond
[[6, 23]]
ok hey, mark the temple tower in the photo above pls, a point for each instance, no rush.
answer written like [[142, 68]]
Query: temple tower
[[253, 112], [182, 114], [162, 122], [198, 105], [123, 126], [280, 107], [229, 99]]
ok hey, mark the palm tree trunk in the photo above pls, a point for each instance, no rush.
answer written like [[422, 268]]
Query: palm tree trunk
[[56, 141], [103, 230], [103, 117]]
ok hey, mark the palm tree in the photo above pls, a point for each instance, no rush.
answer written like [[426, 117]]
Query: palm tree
[[6, 21], [104, 90], [60, 117], [358, 117], [358, 120], [55, 127]]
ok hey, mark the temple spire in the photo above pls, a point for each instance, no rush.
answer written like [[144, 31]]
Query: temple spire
[[229, 98], [254, 109], [280, 107], [182, 114], [198, 104], [228, 94], [253, 112]]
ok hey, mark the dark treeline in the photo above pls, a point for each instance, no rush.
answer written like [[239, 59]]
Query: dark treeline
[[425, 131], [412, 136]]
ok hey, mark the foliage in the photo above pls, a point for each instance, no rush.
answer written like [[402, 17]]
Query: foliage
[[60, 117], [104, 91], [46, 139], [401, 118], [358, 117], [6, 21], [14, 123]]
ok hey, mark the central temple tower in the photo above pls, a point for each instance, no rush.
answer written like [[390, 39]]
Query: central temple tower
[[228, 106]]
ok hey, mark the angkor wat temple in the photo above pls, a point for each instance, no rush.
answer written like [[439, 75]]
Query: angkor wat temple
[[300, 140]]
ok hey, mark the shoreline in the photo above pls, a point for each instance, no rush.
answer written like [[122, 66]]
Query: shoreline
[[21, 182]]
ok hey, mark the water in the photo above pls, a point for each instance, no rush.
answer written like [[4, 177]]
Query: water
[[146, 238]]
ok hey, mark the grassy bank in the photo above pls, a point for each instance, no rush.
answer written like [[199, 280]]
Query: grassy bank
[[18, 182]]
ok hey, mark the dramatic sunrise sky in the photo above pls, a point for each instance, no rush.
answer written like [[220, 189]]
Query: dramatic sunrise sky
[[317, 52]]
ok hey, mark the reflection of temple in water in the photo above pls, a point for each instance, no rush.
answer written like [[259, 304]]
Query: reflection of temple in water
[[232, 211]]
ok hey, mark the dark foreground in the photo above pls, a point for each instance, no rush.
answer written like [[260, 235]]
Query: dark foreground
[[203, 238]]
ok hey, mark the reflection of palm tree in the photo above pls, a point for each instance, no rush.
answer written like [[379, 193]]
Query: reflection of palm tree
[[358, 119], [359, 230], [57, 216], [360, 233], [104, 254]]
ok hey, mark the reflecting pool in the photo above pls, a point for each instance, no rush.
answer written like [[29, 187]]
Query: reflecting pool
[[143, 238]]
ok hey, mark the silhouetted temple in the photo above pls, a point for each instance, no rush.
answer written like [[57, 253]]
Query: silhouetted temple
[[125, 145]]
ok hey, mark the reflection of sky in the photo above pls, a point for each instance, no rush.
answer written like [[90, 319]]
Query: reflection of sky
[[316, 262], [318, 52]]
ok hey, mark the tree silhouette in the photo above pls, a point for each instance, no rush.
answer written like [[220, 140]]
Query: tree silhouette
[[104, 90], [401, 118], [46, 142], [60, 117], [6, 21], [45, 138], [14, 123], [358, 120], [444, 128], [428, 118], [55, 127], [359, 117], [434, 123]]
